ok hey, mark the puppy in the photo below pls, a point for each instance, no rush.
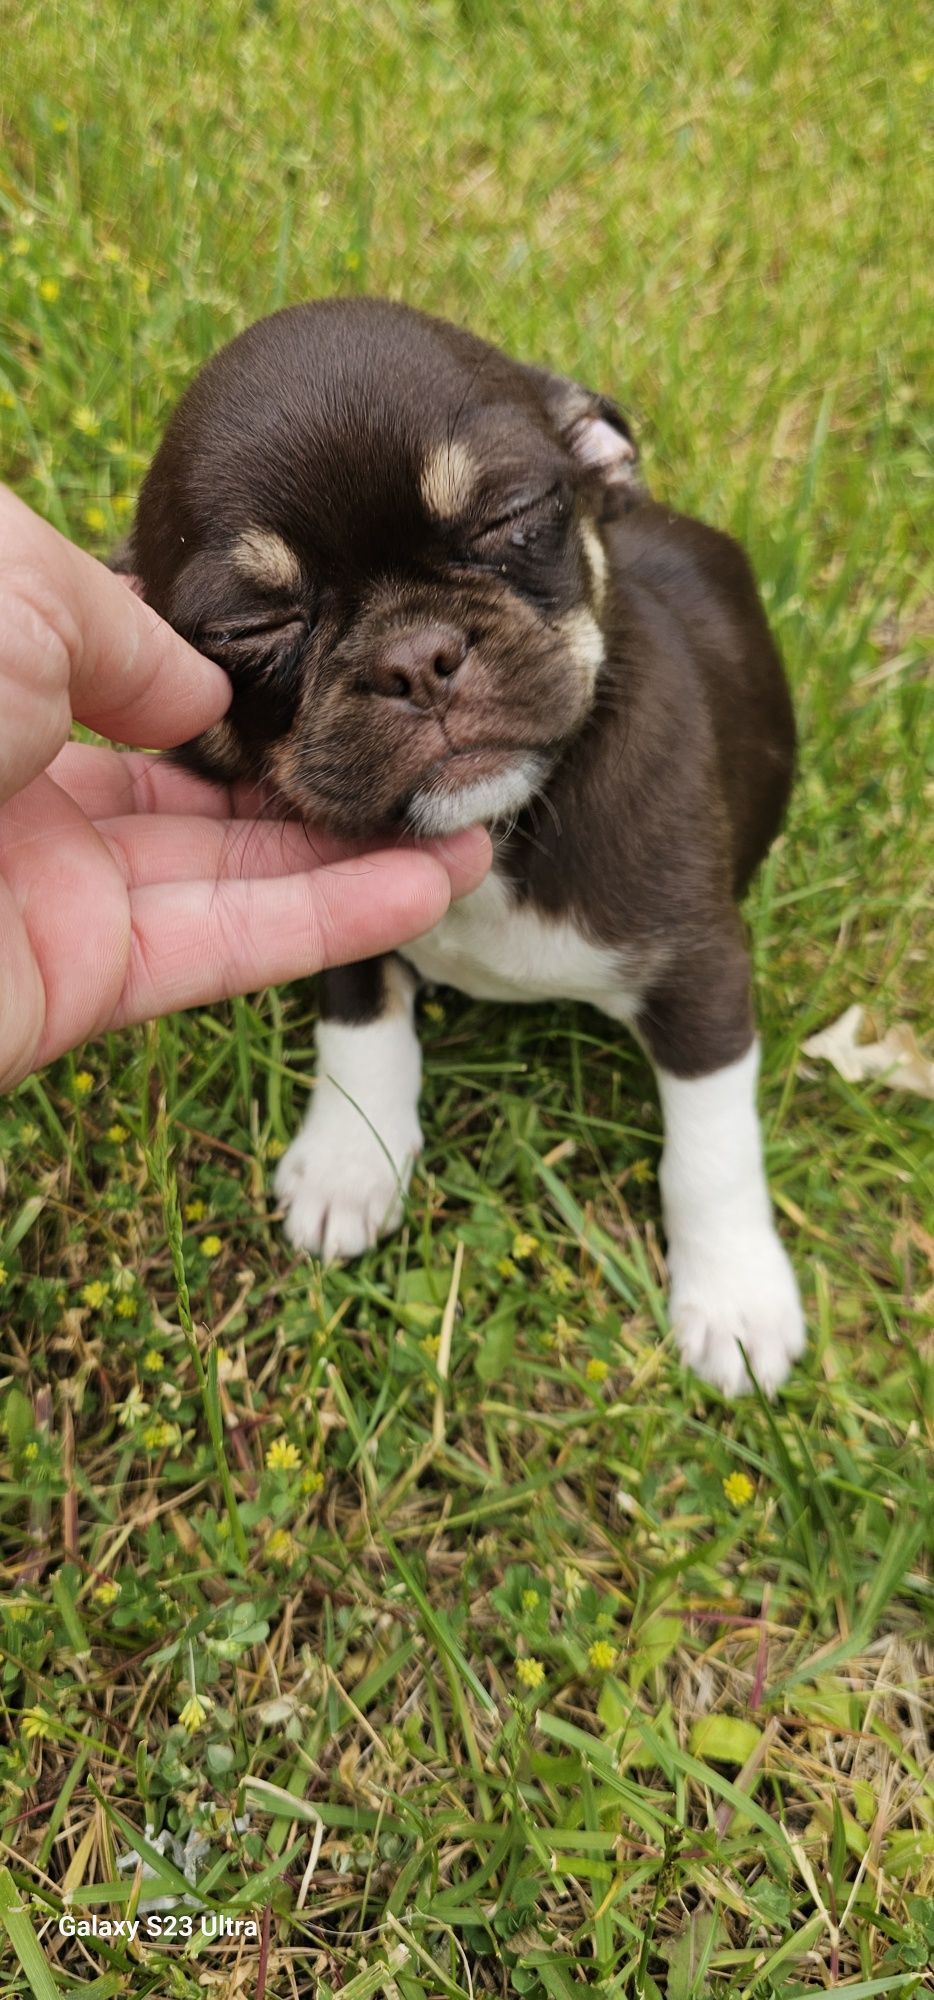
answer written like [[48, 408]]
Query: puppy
[[442, 597]]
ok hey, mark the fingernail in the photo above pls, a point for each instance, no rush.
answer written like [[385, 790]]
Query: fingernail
[[472, 845]]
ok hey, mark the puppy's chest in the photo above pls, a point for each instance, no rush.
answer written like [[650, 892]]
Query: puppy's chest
[[495, 949]]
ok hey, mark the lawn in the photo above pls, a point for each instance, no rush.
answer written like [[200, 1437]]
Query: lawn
[[470, 1644]]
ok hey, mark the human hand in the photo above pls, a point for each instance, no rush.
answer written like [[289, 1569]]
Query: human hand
[[129, 888]]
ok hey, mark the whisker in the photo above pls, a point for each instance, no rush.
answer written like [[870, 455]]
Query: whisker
[[452, 427], [551, 809]]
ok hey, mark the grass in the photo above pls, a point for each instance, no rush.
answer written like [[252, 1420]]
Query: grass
[[426, 1590]]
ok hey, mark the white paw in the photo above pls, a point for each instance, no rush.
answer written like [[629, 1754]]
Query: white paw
[[737, 1291], [339, 1190]]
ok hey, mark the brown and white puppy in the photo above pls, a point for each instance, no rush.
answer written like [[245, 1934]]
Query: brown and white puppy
[[442, 597]]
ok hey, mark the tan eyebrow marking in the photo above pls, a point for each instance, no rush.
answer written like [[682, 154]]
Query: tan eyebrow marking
[[448, 478], [263, 556]]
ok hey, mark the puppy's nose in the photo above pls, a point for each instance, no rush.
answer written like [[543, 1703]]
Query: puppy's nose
[[418, 666]]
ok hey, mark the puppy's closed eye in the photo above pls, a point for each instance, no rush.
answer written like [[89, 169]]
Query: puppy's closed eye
[[260, 645], [265, 664], [524, 516], [526, 542], [263, 657]]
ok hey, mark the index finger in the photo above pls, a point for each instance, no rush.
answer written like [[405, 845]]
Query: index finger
[[109, 783], [77, 642]]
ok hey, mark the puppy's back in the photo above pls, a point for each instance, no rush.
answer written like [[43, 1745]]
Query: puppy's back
[[702, 579]]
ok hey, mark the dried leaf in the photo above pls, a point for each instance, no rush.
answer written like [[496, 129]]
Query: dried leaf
[[895, 1057]]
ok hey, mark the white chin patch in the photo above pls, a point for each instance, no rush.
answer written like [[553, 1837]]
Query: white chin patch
[[435, 812]]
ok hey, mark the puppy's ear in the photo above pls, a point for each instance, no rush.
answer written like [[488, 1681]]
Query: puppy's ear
[[601, 441], [596, 434]]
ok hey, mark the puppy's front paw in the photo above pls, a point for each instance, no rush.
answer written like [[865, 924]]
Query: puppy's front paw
[[339, 1190], [739, 1290]]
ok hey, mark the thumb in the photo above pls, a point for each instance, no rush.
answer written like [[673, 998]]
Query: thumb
[[77, 643]]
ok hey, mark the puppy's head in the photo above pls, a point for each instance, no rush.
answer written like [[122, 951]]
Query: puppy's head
[[388, 534]]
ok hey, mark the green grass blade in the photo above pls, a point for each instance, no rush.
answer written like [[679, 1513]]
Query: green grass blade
[[15, 1918], [439, 1628]]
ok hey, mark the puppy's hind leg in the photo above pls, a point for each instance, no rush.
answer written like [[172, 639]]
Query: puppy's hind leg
[[732, 1285], [345, 1176]]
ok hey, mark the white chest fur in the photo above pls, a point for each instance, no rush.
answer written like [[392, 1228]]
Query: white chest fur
[[496, 949]]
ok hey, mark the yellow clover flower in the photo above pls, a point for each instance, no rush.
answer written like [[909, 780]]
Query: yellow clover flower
[[573, 1586], [530, 1672], [211, 1246], [602, 1656], [49, 290], [133, 1408], [35, 1723], [195, 1712], [283, 1455], [560, 1279], [117, 1133], [597, 1370], [153, 1361], [95, 1294], [524, 1244], [738, 1489], [282, 1547], [95, 519], [84, 1082], [125, 1308], [158, 1436], [107, 1592], [311, 1481], [193, 1211]]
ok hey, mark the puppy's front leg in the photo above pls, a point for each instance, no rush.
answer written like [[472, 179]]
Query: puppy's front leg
[[731, 1281], [343, 1180]]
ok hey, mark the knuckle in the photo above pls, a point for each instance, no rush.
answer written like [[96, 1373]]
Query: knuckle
[[36, 611]]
